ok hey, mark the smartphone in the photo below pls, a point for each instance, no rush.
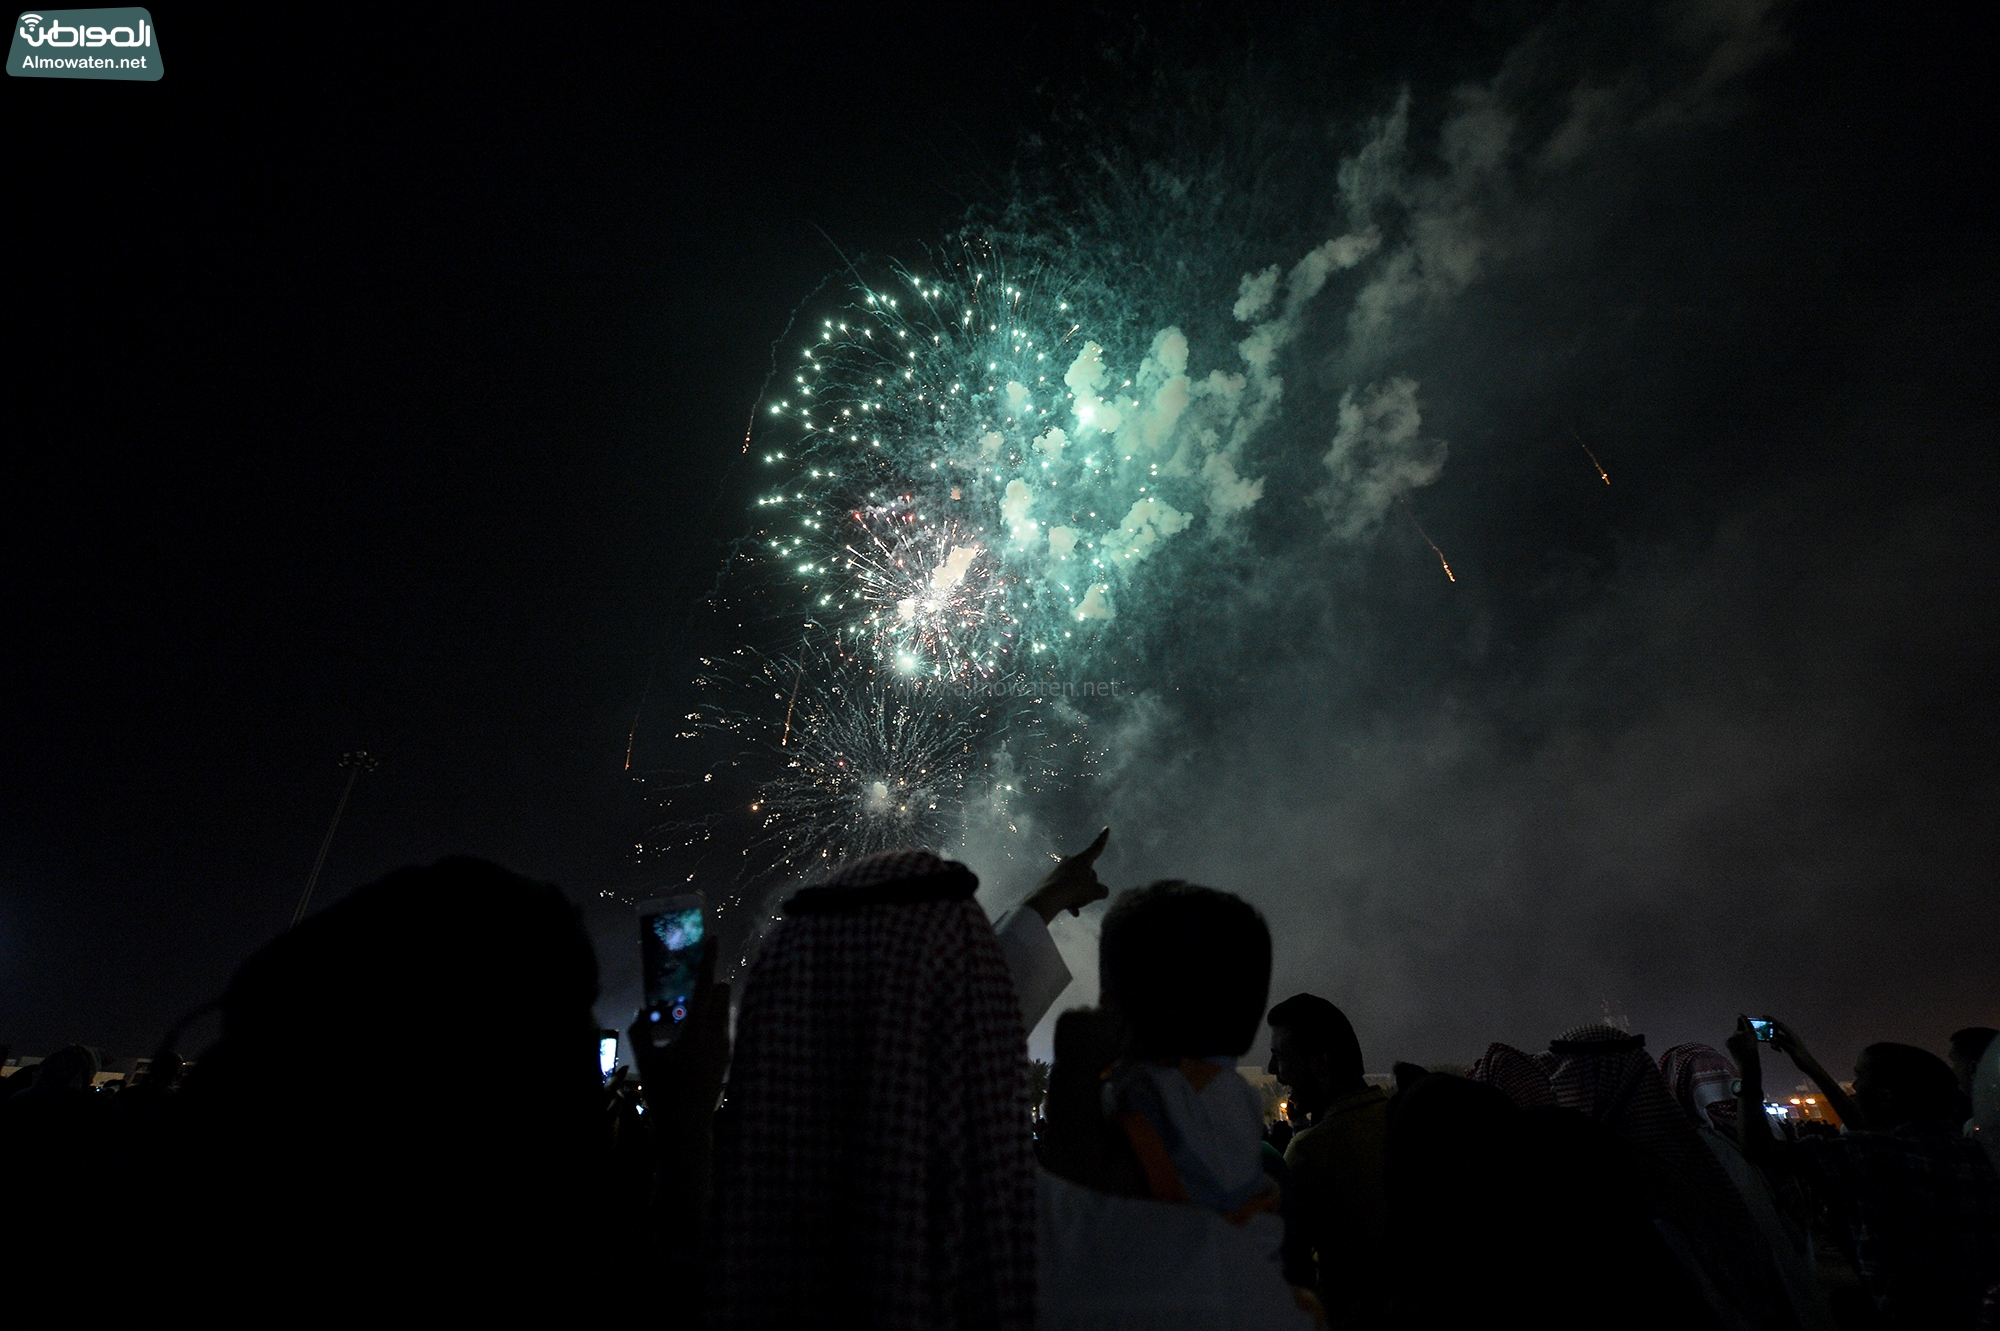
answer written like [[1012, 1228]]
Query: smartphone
[[1761, 1027], [607, 1053], [673, 934]]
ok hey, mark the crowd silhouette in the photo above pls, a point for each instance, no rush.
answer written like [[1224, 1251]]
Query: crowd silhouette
[[863, 1144]]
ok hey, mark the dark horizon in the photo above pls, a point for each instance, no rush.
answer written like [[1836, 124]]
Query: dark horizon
[[387, 401]]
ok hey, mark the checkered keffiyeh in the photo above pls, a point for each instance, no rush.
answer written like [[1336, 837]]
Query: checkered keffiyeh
[[1605, 1072], [1518, 1076], [1701, 1077], [879, 1171], [1601, 1071]]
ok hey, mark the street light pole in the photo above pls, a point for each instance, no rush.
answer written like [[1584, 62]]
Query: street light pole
[[356, 763]]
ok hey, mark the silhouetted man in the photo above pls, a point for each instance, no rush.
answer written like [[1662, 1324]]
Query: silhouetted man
[[1915, 1204], [1336, 1161], [1967, 1048]]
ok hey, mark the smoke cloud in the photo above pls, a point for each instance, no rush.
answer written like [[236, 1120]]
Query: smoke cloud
[[1377, 456], [1705, 740]]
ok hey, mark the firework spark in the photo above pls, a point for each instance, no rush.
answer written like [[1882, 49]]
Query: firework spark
[[1442, 561], [1602, 474]]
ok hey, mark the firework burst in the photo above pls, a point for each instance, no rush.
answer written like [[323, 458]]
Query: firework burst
[[978, 481], [813, 760], [964, 480], [936, 601], [868, 765]]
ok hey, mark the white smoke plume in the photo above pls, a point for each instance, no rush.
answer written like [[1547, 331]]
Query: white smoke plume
[[1338, 339], [1377, 456]]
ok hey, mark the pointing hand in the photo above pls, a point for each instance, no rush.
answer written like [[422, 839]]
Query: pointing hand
[[1072, 884]]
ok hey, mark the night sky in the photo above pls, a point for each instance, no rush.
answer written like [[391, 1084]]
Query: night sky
[[383, 386]]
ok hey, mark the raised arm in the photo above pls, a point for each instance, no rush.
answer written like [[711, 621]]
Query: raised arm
[[1786, 1041], [682, 1082], [1040, 974], [1753, 1129], [1072, 884]]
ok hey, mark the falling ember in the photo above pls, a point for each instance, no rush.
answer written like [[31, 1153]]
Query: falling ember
[[796, 681], [1446, 563], [1602, 475], [632, 737]]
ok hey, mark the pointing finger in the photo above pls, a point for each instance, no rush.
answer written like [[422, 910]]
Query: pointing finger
[[1089, 854]]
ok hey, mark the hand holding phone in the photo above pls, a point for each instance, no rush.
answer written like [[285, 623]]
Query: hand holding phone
[[1763, 1028], [607, 1053], [673, 939]]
